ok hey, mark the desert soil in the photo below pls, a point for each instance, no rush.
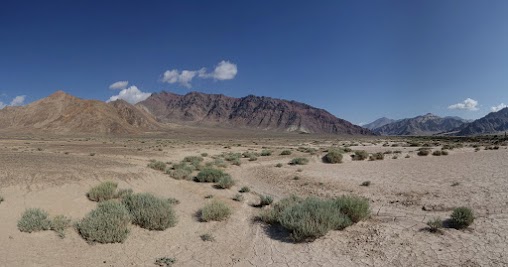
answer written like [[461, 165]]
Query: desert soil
[[55, 173]]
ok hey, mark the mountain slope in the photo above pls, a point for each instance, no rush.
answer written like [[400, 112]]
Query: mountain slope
[[378, 123], [247, 112], [492, 123], [61, 113], [421, 125]]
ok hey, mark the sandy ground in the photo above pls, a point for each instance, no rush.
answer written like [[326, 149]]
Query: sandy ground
[[55, 173]]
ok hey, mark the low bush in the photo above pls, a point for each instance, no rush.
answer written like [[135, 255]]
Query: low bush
[[238, 197], [215, 211], [378, 156], [225, 182], [333, 157], [59, 224], [165, 262], [266, 153], [104, 191], [207, 237], [279, 165], [286, 153], [356, 208], [108, 223], [157, 165], [34, 220], [265, 201], [360, 155], [299, 161], [444, 152], [366, 183], [244, 189], [462, 217], [180, 174], [435, 225], [150, 212], [437, 153], [210, 175], [423, 152], [310, 218]]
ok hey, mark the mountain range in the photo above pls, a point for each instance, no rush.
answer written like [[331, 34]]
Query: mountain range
[[430, 124], [61, 113], [253, 112]]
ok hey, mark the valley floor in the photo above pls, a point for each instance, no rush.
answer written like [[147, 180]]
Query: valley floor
[[55, 173]]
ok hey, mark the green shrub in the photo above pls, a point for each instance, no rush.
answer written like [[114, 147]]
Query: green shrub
[[165, 262], [299, 161], [244, 189], [204, 155], [366, 183], [157, 165], [333, 157], [215, 211], [193, 160], [207, 237], [278, 165], [123, 193], [360, 155], [266, 153], [232, 156], [313, 218], [210, 175], [238, 197], [34, 220], [265, 201], [253, 158], [286, 153], [356, 208], [306, 219], [437, 153], [378, 156], [150, 212], [1, 199], [236, 162], [104, 191], [435, 225], [462, 217], [444, 152], [108, 223], [423, 152], [59, 224], [180, 174], [249, 154], [225, 182]]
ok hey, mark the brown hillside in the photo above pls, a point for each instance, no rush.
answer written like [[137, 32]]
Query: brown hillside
[[263, 113], [61, 113]]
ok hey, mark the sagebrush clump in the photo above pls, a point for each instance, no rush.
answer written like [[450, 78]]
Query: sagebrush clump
[[108, 223], [210, 175], [225, 182], [310, 218], [360, 155], [299, 161], [157, 165], [150, 212], [215, 211], [462, 217], [34, 220], [104, 191], [333, 157]]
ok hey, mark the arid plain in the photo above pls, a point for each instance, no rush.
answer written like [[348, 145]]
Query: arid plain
[[405, 192]]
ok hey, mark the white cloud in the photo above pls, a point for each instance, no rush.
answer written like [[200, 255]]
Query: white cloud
[[225, 70], [498, 107], [132, 95], [18, 100], [119, 85], [468, 104]]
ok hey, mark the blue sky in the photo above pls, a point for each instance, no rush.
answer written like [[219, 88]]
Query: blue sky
[[360, 60]]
